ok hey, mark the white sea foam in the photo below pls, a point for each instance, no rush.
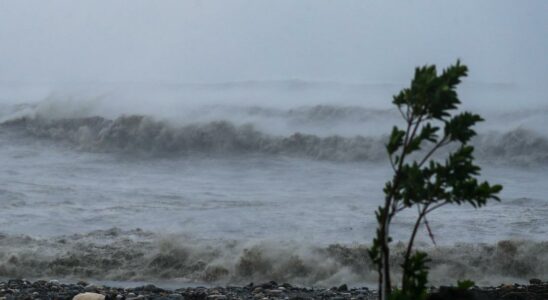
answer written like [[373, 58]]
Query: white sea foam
[[136, 255]]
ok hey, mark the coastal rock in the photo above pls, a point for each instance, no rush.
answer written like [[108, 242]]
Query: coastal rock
[[269, 285], [89, 296], [90, 288], [151, 288], [82, 283], [274, 292], [343, 288]]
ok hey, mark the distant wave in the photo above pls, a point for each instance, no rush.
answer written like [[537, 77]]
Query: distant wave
[[329, 114], [115, 254], [323, 113], [142, 134], [521, 146]]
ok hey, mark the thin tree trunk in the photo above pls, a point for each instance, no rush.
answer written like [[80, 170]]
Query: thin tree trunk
[[410, 245]]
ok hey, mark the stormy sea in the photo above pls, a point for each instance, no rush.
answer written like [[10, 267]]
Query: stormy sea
[[238, 182]]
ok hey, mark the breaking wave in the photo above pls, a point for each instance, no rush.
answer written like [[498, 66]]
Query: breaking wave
[[137, 255], [147, 135], [143, 134], [322, 113], [521, 146]]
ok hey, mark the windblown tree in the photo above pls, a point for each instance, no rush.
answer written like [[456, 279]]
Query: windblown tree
[[427, 183]]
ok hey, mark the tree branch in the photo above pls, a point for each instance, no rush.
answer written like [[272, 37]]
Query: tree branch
[[429, 230], [436, 147], [436, 207], [392, 162], [422, 213]]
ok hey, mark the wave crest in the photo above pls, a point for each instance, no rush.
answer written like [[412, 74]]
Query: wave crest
[[520, 146], [142, 134]]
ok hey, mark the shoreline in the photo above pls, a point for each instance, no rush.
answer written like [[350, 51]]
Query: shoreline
[[16, 289]]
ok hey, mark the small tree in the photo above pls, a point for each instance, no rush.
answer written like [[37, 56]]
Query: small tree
[[426, 183]]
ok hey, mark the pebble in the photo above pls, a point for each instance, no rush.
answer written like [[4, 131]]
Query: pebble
[[45, 290], [90, 288], [274, 292]]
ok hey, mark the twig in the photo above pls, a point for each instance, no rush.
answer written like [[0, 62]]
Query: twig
[[436, 207], [430, 234], [436, 147]]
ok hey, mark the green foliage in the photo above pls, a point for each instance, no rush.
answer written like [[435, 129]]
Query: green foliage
[[465, 284], [427, 107], [417, 276]]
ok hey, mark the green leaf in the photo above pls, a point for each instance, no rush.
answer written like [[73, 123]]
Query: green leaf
[[465, 284], [459, 128], [395, 141], [428, 133]]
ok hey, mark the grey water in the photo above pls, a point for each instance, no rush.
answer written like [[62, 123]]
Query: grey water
[[241, 182]]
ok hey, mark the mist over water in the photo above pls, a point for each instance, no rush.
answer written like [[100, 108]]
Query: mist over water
[[223, 144], [255, 187]]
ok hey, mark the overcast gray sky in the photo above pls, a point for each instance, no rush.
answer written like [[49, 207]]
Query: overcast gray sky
[[215, 41]]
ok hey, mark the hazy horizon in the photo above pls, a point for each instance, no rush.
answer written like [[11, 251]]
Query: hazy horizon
[[56, 42]]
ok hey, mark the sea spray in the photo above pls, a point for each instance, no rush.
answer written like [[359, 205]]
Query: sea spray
[[116, 254]]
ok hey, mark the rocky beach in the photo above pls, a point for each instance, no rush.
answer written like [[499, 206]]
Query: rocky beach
[[21, 289]]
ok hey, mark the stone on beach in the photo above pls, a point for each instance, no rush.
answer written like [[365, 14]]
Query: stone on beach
[[89, 296]]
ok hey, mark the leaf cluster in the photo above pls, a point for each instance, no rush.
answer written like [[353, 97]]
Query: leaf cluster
[[416, 280], [427, 107]]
